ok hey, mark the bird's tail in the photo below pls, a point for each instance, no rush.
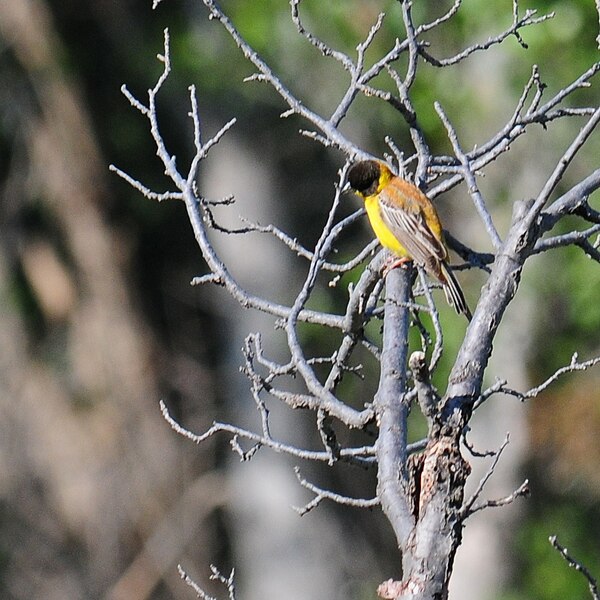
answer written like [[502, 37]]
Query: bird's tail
[[454, 293]]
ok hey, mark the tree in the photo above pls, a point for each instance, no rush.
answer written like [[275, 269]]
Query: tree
[[421, 486]]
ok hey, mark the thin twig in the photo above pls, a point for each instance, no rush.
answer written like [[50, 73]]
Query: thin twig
[[501, 387], [438, 347], [228, 582], [574, 365], [574, 564], [469, 176], [321, 494], [467, 508], [566, 239], [521, 492], [363, 455], [518, 23], [565, 161]]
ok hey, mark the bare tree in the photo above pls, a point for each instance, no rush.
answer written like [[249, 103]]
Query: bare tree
[[421, 485]]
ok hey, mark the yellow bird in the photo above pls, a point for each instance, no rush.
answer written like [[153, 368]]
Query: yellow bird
[[406, 222]]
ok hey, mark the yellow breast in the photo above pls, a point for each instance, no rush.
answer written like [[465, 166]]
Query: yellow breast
[[381, 230]]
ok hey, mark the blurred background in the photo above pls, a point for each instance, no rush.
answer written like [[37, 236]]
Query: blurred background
[[99, 498]]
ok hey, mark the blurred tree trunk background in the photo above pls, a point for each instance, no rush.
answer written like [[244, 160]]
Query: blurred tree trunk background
[[99, 498], [90, 473]]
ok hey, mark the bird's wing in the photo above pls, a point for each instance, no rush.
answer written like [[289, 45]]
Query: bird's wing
[[406, 220]]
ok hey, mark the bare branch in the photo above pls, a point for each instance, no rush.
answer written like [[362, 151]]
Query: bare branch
[[357, 312], [413, 46], [598, 10], [574, 365], [513, 30], [573, 201], [443, 19], [567, 239], [565, 161], [502, 141], [326, 400], [480, 260], [405, 106], [208, 278], [199, 592], [134, 101], [522, 491], [363, 456], [470, 179], [591, 250], [202, 150], [222, 276], [228, 582], [580, 82], [467, 508], [327, 127], [146, 192], [438, 346], [321, 46], [471, 449], [363, 46], [297, 248], [392, 408], [574, 564], [426, 394], [321, 494], [500, 385], [356, 79]]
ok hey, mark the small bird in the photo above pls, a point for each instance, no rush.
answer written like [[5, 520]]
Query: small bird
[[406, 222]]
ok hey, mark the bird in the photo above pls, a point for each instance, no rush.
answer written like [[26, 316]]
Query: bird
[[405, 221]]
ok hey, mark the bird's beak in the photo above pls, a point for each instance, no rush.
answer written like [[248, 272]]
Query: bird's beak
[[346, 187]]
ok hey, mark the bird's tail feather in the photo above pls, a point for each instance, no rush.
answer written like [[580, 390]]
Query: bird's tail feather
[[454, 293]]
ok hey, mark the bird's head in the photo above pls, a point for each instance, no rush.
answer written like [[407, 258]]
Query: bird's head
[[367, 177]]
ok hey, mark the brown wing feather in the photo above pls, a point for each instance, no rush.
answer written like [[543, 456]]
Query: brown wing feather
[[411, 229], [406, 219]]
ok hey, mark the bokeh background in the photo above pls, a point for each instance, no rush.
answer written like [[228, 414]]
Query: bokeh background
[[99, 498]]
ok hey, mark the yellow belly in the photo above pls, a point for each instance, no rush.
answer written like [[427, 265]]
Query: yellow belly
[[381, 230]]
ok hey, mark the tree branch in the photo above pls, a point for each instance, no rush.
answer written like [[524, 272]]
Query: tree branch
[[392, 410], [228, 582], [321, 494], [592, 582]]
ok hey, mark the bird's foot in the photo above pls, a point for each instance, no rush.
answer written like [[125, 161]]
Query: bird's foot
[[393, 263]]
